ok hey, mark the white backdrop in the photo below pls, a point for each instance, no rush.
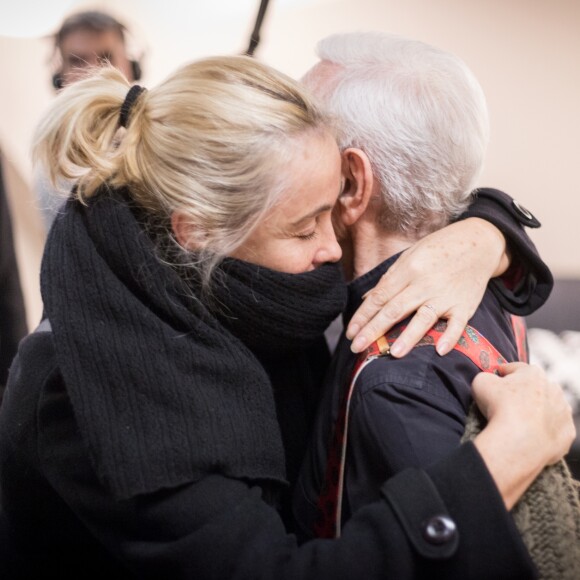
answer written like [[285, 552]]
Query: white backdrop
[[526, 54]]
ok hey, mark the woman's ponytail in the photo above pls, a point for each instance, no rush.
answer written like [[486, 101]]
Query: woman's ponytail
[[76, 138]]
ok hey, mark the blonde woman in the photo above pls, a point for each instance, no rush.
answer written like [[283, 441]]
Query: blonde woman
[[153, 421]]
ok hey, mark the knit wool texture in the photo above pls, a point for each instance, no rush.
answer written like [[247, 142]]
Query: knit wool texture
[[162, 392], [547, 515], [294, 309]]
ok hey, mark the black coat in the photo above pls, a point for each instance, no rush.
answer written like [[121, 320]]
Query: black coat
[[65, 523], [61, 518], [12, 313]]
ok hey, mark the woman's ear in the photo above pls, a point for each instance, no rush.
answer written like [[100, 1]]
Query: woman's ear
[[184, 230], [358, 188]]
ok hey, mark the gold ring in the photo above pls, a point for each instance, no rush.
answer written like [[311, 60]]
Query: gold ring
[[432, 308]]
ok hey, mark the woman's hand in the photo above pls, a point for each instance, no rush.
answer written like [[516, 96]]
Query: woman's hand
[[444, 275], [530, 425]]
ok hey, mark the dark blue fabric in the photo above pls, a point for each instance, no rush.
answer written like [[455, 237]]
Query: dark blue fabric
[[407, 412]]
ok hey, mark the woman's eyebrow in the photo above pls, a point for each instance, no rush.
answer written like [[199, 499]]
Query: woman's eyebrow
[[314, 213], [317, 211]]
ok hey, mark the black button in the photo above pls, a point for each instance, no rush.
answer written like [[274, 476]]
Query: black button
[[439, 530]]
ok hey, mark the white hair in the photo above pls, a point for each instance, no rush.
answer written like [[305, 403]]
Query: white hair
[[419, 114]]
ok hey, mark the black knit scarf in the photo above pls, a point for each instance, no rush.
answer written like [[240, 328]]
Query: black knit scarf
[[273, 312], [162, 391]]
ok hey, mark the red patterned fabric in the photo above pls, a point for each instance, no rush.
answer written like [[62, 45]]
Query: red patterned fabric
[[519, 328]]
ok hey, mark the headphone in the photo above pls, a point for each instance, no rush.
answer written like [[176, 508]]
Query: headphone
[[136, 72], [95, 21]]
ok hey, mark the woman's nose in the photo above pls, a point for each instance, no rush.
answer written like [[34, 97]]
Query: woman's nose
[[330, 250]]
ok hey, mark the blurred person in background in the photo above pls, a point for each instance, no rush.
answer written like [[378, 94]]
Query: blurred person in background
[[85, 40]]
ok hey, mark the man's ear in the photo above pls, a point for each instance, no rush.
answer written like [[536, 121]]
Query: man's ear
[[358, 188], [184, 231]]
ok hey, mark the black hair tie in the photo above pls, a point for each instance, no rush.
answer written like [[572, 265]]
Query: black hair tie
[[128, 103]]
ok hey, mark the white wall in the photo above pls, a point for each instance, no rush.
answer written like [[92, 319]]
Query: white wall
[[524, 52]]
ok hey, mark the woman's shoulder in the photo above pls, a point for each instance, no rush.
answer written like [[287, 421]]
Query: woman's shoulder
[[35, 360], [33, 369]]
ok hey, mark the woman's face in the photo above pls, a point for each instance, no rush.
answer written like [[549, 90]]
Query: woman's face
[[297, 234]]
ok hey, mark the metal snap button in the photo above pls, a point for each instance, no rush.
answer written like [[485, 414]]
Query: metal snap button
[[526, 213], [439, 530]]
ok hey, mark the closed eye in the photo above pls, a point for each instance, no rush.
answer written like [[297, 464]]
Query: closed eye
[[309, 236]]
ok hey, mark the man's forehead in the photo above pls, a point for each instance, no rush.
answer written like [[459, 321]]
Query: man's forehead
[[322, 77]]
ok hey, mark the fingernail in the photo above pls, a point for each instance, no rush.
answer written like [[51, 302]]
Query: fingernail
[[358, 344], [397, 348], [352, 331], [442, 347]]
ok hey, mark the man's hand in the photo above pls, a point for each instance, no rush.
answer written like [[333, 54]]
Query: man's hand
[[529, 426], [444, 275]]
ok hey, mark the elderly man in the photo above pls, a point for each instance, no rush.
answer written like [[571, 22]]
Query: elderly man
[[414, 130]]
